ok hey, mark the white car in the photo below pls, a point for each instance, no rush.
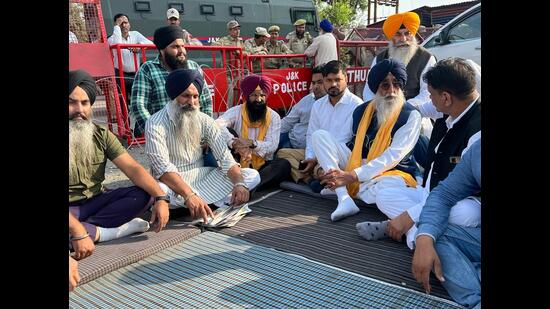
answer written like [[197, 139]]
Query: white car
[[460, 37]]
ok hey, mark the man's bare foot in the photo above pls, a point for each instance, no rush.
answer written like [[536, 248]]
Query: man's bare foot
[[399, 226]]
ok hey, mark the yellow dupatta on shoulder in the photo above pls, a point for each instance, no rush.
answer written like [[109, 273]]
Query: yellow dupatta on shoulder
[[257, 161], [381, 142]]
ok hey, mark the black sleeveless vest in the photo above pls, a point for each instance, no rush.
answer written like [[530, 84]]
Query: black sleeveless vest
[[408, 163], [414, 70], [454, 142]]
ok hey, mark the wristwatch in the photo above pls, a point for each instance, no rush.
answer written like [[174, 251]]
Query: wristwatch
[[162, 198], [254, 145]]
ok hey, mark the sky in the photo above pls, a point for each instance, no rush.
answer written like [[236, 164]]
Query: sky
[[408, 5]]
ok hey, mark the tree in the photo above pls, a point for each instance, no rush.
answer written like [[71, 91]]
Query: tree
[[340, 12]]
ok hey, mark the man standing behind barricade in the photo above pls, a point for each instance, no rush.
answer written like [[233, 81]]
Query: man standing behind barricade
[[233, 39], [400, 29], [95, 213], [379, 156], [298, 41], [331, 113], [324, 47], [275, 47], [123, 35], [252, 131], [294, 126], [452, 85], [257, 46], [173, 138], [149, 92], [173, 19]]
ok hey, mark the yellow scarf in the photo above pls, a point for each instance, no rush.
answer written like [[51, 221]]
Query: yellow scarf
[[263, 124], [381, 142]]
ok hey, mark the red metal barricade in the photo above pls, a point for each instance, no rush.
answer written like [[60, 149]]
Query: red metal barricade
[[358, 68], [92, 54]]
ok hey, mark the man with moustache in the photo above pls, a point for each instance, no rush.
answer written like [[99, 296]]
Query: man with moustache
[[452, 86], [149, 93], [385, 131], [257, 46], [173, 18], [252, 131], [297, 41], [97, 214], [400, 29], [173, 138], [123, 35], [331, 113], [292, 142]]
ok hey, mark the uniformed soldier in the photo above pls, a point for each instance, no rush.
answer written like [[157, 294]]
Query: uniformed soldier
[[275, 47], [233, 39], [298, 41], [256, 46]]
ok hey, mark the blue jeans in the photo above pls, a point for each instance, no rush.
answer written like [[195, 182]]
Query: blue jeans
[[284, 141], [459, 251]]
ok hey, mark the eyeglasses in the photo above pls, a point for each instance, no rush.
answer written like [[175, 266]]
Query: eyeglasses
[[386, 85]]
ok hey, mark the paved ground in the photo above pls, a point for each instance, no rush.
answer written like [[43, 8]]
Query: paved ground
[[114, 178]]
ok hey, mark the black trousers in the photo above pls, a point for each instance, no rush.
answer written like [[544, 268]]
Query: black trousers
[[128, 82]]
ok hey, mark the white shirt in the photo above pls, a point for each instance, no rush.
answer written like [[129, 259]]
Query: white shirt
[[134, 37], [337, 119], [323, 48], [266, 148], [72, 37], [403, 142], [296, 122]]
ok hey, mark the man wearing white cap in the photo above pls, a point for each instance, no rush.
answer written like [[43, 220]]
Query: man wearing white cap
[[173, 18], [256, 46]]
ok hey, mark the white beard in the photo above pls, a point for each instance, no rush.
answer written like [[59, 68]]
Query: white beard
[[402, 53], [386, 105], [188, 127], [81, 143]]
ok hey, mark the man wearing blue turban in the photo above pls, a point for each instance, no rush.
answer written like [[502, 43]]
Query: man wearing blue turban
[[379, 155], [323, 47], [173, 144]]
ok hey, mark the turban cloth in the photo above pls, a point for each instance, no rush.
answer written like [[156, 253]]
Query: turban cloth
[[251, 82], [411, 20], [179, 80], [85, 81], [379, 72], [326, 25], [166, 35]]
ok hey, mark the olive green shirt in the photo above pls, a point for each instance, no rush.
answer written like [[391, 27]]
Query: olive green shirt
[[278, 48], [86, 181], [298, 46], [252, 48], [229, 41]]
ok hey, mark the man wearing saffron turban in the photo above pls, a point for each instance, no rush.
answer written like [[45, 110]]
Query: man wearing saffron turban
[[252, 131]]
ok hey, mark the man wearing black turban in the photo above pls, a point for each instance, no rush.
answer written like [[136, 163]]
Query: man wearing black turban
[[149, 93], [379, 155], [94, 214], [173, 137]]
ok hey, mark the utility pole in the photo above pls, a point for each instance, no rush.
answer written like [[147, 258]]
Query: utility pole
[[390, 3]]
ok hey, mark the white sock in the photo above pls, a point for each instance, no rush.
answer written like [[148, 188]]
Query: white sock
[[346, 205], [134, 226]]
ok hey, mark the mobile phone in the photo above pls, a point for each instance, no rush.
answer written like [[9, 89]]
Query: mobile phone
[[302, 165]]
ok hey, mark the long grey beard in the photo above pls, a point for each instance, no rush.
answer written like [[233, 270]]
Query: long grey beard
[[403, 53], [386, 105], [188, 127], [81, 143]]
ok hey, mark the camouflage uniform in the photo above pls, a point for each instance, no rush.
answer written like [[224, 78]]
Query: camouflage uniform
[[252, 48], [279, 48], [298, 46]]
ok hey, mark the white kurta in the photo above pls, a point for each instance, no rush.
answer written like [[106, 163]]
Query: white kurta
[[166, 154]]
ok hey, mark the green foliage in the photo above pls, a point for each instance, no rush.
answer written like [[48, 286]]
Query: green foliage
[[340, 12]]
